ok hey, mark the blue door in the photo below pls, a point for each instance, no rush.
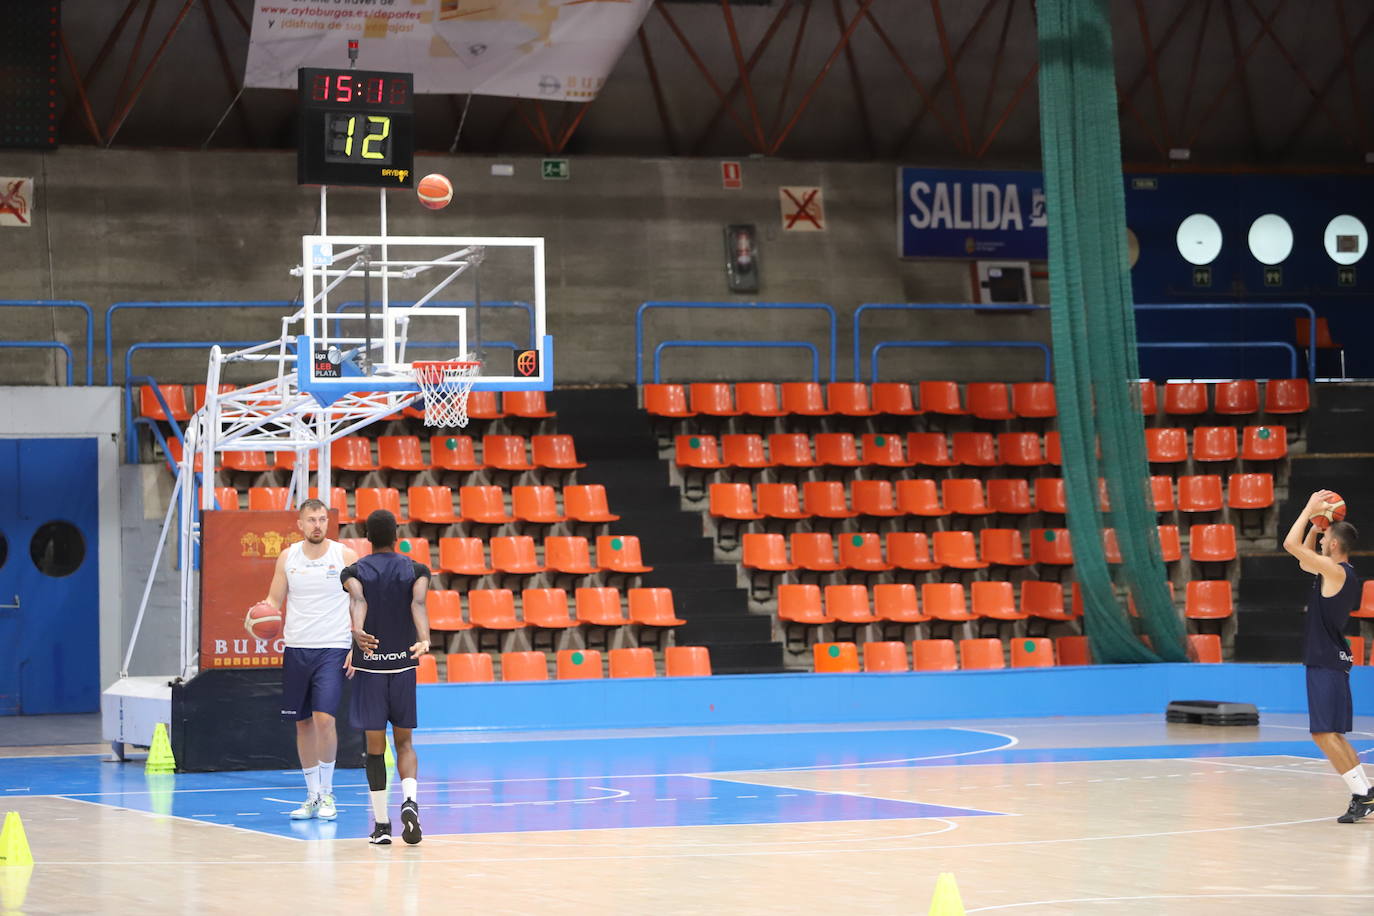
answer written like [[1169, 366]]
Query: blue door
[[49, 579]]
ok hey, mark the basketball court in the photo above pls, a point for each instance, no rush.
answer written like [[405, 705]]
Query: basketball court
[[1052, 815]]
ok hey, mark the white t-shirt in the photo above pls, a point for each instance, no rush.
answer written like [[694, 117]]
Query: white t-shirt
[[316, 604]]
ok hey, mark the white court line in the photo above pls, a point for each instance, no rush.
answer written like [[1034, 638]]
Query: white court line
[[1247, 766], [615, 794], [458, 839], [1011, 742], [178, 817], [1012, 906], [734, 852]]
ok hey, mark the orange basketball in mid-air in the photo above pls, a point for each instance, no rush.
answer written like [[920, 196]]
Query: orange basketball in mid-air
[[263, 621], [1334, 511], [435, 191]]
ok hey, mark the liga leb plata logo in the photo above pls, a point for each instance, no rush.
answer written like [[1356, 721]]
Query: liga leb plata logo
[[527, 363], [16, 202]]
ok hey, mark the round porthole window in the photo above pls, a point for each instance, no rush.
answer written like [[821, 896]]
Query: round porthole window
[[1345, 239], [1199, 239], [57, 549], [1271, 239]]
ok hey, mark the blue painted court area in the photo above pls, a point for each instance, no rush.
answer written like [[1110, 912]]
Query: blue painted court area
[[493, 784]]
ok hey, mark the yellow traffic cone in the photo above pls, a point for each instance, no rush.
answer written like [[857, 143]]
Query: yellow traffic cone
[[14, 887], [14, 845], [160, 759], [946, 901]]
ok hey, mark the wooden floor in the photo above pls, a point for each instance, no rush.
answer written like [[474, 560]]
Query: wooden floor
[[1124, 815]]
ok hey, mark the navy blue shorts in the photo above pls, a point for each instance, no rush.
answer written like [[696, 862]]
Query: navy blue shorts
[[382, 698], [1328, 700], [312, 680]]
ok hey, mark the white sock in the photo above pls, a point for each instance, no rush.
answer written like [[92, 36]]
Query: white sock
[[312, 780], [1357, 781], [379, 807], [326, 777], [408, 787]]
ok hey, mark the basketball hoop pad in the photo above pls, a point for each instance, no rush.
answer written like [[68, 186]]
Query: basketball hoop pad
[[445, 387]]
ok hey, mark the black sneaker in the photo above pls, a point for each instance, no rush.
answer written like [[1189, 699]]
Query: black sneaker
[[1360, 807], [381, 835], [410, 821]]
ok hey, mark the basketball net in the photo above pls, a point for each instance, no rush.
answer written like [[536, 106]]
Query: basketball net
[[445, 387]]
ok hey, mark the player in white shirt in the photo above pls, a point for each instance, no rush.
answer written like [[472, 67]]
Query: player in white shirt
[[318, 636]]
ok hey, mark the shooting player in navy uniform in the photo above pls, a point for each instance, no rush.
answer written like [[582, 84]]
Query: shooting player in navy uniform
[[1326, 654], [390, 632]]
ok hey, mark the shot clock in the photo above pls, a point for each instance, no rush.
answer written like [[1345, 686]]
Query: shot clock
[[357, 128]]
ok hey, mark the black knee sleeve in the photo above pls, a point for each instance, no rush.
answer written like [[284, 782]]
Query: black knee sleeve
[[376, 771]]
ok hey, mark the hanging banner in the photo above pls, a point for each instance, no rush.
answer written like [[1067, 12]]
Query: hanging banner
[[239, 552], [534, 49], [16, 202], [960, 213]]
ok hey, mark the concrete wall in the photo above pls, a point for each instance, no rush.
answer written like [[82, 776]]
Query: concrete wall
[[114, 225]]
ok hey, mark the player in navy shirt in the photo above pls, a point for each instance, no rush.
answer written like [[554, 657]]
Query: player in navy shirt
[[1326, 653], [390, 631]]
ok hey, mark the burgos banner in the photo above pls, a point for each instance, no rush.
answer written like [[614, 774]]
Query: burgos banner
[[960, 213], [534, 49]]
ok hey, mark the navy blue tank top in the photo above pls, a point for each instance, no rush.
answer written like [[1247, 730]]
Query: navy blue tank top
[[388, 579], [1324, 644]]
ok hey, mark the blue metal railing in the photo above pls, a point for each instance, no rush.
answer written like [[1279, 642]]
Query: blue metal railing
[[943, 344], [286, 308], [61, 303], [44, 345], [926, 307], [131, 382], [1234, 345], [513, 304], [1302, 307], [749, 344], [739, 306]]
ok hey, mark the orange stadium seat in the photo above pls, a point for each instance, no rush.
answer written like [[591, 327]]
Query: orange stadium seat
[[981, 653], [791, 450], [555, 452], [1214, 443], [989, 401], [485, 505], [505, 453], [528, 405], [587, 503], [1044, 601], [995, 601], [418, 550], [1366, 608], [227, 498], [492, 610], [1162, 494], [945, 601], [814, 551], [1073, 650], [849, 604], [1009, 496], [484, 405], [837, 450], [370, 499], [1020, 450], [1185, 399], [667, 401], [712, 399], [571, 556], [468, 668], [884, 450], [1033, 400], [1236, 398], [1205, 647], [954, 549], [781, 500], [850, 399], [743, 450], [400, 453], [895, 602], [964, 496], [632, 663], [1149, 398], [920, 497], [360, 546], [893, 399], [1170, 546], [826, 499], [1051, 547], [427, 669], [1208, 600], [537, 505], [653, 607], [835, 658], [804, 399], [453, 453], [286, 461], [619, 553], [198, 395], [1212, 543], [174, 395], [515, 556], [862, 552], [1250, 491], [941, 398], [432, 504], [929, 449], [1199, 493], [463, 556], [687, 661], [444, 609], [801, 604], [934, 655], [758, 399], [885, 656], [524, 666], [599, 607], [1264, 443], [546, 609], [1002, 547], [874, 498], [910, 550], [1050, 496], [1053, 448], [338, 499], [1166, 445], [248, 462], [733, 501], [352, 453], [1286, 396], [268, 498], [975, 450], [578, 664], [765, 552], [1032, 653]]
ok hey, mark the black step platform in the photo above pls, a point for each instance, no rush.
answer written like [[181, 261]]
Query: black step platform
[[1211, 712]]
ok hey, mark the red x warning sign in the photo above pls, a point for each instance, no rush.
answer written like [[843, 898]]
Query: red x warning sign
[[802, 209]]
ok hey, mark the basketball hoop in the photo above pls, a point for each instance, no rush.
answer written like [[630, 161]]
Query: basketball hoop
[[445, 387]]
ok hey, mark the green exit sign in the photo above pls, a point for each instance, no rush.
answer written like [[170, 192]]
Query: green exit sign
[[555, 169], [1273, 276]]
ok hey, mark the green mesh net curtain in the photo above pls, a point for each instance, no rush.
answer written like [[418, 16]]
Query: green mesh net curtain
[[1094, 340]]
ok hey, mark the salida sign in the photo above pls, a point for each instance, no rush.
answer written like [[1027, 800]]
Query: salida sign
[[958, 213]]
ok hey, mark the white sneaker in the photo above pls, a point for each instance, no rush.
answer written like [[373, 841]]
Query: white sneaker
[[326, 810], [309, 808]]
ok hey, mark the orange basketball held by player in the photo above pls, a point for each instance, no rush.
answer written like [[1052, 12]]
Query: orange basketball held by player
[[435, 191], [263, 621], [1333, 511]]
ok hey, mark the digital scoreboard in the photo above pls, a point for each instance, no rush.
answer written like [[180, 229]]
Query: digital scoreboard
[[357, 128]]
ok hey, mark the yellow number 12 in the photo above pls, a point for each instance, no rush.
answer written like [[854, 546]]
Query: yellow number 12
[[378, 136]]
